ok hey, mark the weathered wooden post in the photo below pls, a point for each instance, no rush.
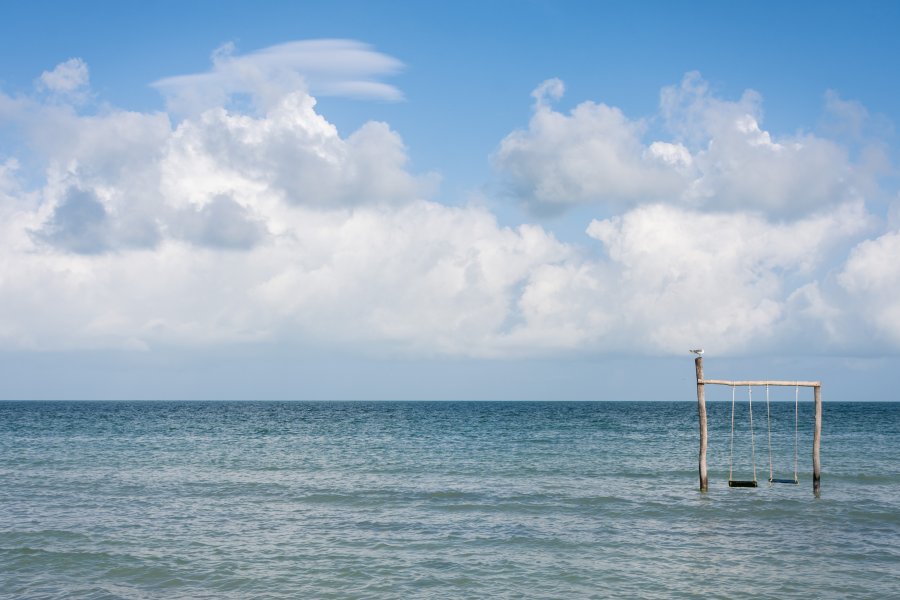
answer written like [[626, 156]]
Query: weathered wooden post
[[817, 440], [701, 411]]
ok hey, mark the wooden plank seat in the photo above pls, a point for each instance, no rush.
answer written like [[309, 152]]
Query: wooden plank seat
[[742, 483]]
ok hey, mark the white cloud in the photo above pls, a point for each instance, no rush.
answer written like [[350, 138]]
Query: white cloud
[[682, 275], [220, 223], [593, 154], [122, 179], [844, 116], [719, 157], [67, 78], [320, 67], [741, 166], [871, 276], [291, 151], [234, 227], [692, 113], [816, 311], [851, 120], [671, 154], [425, 277], [547, 92]]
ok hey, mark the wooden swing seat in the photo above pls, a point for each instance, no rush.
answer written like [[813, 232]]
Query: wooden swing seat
[[742, 483], [793, 481]]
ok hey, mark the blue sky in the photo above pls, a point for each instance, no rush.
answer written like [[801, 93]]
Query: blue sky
[[468, 200]]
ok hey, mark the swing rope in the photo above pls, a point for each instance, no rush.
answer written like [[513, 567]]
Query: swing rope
[[731, 481], [752, 441], [772, 479], [796, 429], [769, 427], [731, 452]]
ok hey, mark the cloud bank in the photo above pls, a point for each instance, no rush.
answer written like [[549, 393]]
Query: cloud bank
[[263, 223]]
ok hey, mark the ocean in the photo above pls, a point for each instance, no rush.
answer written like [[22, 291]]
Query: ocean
[[443, 500]]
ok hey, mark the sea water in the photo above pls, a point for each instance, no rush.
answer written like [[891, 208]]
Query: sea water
[[443, 500]]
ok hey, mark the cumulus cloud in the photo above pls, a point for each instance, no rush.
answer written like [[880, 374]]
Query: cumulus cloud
[[722, 277], [548, 91], [119, 179], [69, 77], [741, 166], [320, 67], [291, 150], [719, 157], [232, 225], [78, 224], [593, 154], [220, 223], [871, 277], [427, 278]]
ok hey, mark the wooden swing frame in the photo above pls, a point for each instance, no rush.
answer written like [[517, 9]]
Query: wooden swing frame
[[701, 410]]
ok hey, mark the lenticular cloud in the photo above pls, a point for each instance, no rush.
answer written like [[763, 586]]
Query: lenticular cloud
[[323, 67]]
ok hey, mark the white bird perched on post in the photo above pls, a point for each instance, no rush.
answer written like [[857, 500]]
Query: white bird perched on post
[[698, 351]]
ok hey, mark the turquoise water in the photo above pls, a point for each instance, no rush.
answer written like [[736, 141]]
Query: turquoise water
[[440, 500]]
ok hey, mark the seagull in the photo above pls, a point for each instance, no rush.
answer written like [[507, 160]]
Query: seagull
[[698, 351]]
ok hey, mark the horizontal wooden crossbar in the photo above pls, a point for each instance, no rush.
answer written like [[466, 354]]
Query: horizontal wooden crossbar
[[812, 384]]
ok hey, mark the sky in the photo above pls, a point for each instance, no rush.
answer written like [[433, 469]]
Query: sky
[[460, 200]]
